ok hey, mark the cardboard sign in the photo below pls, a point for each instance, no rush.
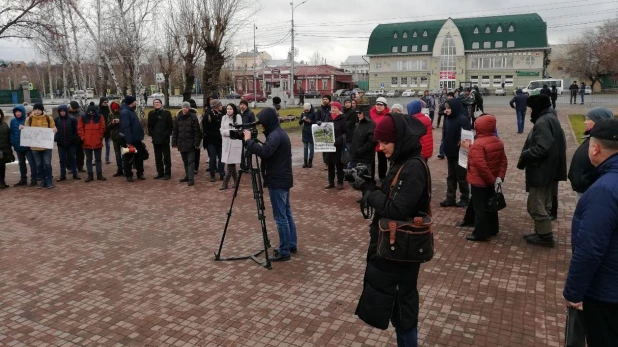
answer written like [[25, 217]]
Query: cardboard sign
[[37, 137], [323, 137]]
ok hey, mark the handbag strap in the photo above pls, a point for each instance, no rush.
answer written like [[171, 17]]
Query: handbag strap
[[428, 186]]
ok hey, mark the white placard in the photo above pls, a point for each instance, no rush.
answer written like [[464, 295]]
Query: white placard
[[467, 139], [323, 137], [37, 137]]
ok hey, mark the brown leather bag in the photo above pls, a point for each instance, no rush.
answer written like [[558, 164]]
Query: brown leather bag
[[410, 240]]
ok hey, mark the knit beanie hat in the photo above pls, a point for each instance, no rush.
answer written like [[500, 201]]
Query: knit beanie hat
[[385, 130], [330, 98], [91, 108], [28, 109], [307, 106], [215, 103], [337, 105], [382, 100], [397, 107], [599, 113], [115, 107], [186, 104], [74, 105], [129, 99], [38, 106]]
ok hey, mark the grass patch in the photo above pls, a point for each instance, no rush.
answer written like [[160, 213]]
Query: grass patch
[[577, 123]]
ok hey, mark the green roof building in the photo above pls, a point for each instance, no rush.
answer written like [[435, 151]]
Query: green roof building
[[487, 51]]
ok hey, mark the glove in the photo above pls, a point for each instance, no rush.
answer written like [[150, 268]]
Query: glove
[[498, 183]]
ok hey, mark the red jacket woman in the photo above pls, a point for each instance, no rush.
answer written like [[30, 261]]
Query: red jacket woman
[[91, 128], [486, 158], [414, 109]]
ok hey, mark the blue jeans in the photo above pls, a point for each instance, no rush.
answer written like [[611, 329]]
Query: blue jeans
[[67, 159], [214, 153], [23, 169], [43, 166], [442, 148], [407, 339], [280, 202], [582, 96], [107, 144], [308, 150], [521, 117], [431, 115]]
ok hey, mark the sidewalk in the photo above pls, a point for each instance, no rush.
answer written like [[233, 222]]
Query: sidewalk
[[118, 264]]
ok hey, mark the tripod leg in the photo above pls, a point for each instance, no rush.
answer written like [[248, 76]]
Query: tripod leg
[[258, 195], [229, 216]]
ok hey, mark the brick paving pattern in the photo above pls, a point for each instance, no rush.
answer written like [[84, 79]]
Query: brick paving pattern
[[119, 264]]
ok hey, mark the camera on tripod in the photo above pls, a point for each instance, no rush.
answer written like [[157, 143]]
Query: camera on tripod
[[239, 134], [358, 176]]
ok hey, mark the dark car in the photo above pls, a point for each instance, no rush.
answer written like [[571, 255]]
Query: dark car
[[312, 94], [233, 96]]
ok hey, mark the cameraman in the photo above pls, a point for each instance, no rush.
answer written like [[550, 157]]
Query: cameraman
[[363, 145], [276, 153]]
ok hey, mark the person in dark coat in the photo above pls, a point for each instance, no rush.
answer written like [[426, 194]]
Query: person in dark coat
[[5, 148], [362, 148], [592, 283], [518, 102], [582, 172], [390, 290], [133, 132], [105, 111], [545, 90], [454, 122], [276, 154], [186, 136], [582, 92], [160, 126], [66, 138], [245, 112], [80, 155], [350, 118], [193, 109], [554, 96], [544, 159], [573, 88], [334, 159], [213, 142], [322, 114], [307, 119], [114, 129]]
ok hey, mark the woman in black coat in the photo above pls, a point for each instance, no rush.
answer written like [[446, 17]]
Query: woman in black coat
[[307, 119], [390, 288], [334, 159]]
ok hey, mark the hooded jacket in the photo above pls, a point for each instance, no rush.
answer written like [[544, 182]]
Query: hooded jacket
[[311, 117], [15, 132], [114, 128], [105, 111], [66, 136], [186, 133], [130, 125], [91, 129], [544, 153], [376, 117], [594, 240], [160, 126], [518, 102], [414, 109], [363, 143], [276, 152], [486, 158], [451, 131], [409, 197]]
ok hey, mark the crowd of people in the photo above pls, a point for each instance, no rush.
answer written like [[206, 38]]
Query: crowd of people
[[401, 140]]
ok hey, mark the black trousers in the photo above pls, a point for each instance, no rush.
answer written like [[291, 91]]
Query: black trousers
[[2, 171], [335, 164], [553, 104], [382, 165], [573, 98], [163, 159], [80, 157], [188, 160], [134, 159], [601, 323], [485, 223], [197, 158], [456, 176]]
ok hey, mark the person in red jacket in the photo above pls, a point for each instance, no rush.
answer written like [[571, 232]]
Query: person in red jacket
[[91, 130], [377, 113], [414, 110], [487, 165]]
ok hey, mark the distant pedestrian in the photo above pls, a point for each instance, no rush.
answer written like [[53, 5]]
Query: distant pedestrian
[[430, 103], [301, 97], [592, 283], [573, 89], [545, 90], [519, 102], [582, 91], [307, 119], [554, 96], [543, 157]]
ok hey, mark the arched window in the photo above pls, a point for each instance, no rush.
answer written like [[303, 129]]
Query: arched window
[[476, 30], [511, 28], [425, 33], [395, 35], [405, 35], [487, 30], [414, 34], [499, 30]]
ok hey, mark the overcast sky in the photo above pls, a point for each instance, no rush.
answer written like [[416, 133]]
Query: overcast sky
[[338, 29]]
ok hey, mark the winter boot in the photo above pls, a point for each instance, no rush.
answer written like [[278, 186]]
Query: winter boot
[[543, 240], [235, 178], [226, 180], [119, 173], [21, 183], [305, 164], [89, 178], [310, 164], [212, 178], [62, 178], [100, 177], [76, 177]]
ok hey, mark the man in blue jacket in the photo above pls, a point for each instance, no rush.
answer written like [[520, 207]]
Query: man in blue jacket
[[519, 103], [23, 153], [133, 132], [276, 153], [592, 281]]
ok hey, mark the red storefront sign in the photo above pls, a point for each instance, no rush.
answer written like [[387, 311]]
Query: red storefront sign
[[447, 75]]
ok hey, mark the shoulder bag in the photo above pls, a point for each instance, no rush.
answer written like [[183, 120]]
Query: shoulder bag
[[411, 240]]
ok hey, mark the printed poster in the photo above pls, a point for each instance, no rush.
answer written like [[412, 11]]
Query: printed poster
[[323, 137], [467, 139]]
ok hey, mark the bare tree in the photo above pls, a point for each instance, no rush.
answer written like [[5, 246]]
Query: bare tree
[[168, 59], [316, 59], [23, 18], [184, 26]]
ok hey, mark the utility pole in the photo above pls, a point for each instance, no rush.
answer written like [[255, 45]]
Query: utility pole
[[293, 51], [254, 63]]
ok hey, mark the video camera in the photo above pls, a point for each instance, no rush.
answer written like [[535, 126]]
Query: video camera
[[359, 176], [239, 134]]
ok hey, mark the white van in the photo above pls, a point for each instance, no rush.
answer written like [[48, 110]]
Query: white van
[[538, 85]]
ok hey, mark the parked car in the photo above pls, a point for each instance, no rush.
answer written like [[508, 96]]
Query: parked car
[[233, 96], [392, 93], [252, 97], [339, 92], [500, 91], [588, 90], [312, 94], [347, 93], [515, 90], [79, 94], [408, 93], [156, 95], [113, 97]]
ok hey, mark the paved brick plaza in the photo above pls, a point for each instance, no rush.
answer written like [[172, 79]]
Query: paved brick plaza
[[113, 264]]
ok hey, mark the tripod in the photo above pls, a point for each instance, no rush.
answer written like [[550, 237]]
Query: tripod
[[247, 165]]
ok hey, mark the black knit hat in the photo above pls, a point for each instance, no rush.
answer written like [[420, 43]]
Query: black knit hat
[[74, 105], [38, 106], [91, 108], [129, 99]]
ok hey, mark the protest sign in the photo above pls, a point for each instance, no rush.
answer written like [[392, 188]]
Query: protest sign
[[37, 137], [323, 137], [467, 139]]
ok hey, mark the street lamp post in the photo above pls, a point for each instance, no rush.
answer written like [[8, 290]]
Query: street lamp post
[[293, 51]]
